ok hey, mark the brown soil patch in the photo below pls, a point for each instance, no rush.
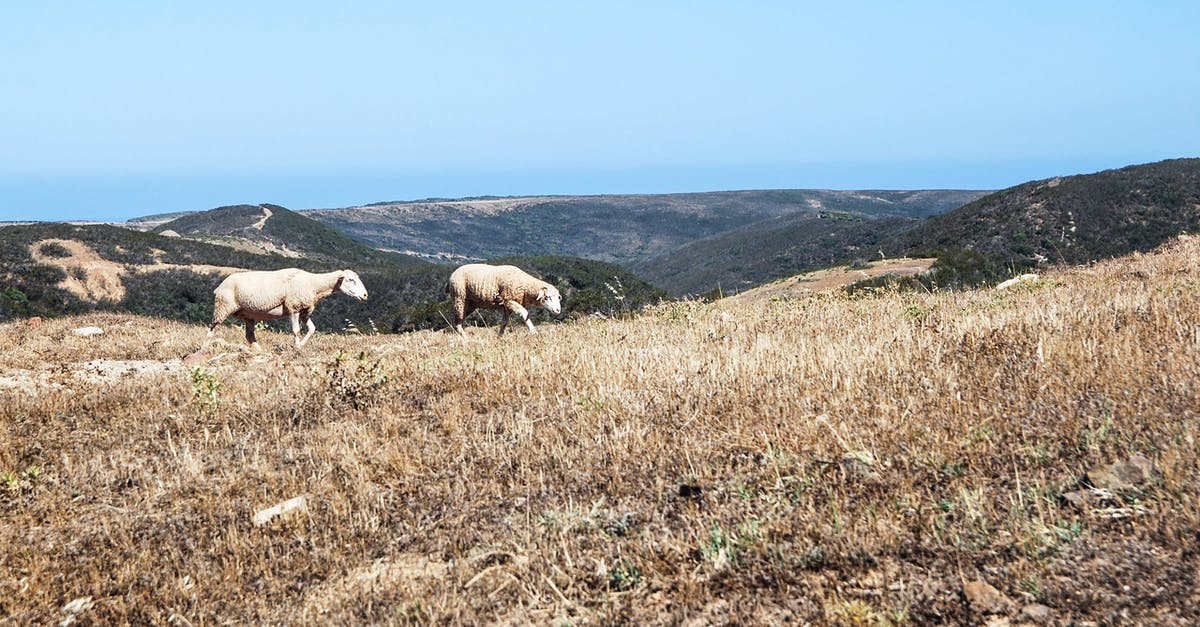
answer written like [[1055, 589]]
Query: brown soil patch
[[831, 279], [89, 276]]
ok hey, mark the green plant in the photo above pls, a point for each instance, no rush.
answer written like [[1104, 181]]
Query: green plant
[[624, 576], [16, 295], [55, 250], [205, 390], [724, 547]]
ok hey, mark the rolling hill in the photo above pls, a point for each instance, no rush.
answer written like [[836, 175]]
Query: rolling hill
[[769, 249], [274, 229], [623, 229]]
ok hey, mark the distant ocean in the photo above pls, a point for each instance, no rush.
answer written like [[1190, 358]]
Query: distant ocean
[[118, 197]]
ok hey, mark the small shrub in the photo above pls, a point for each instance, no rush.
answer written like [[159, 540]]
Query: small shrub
[[54, 250], [205, 391], [355, 382]]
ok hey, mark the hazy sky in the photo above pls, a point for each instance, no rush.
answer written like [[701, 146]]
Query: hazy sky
[[111, 110]]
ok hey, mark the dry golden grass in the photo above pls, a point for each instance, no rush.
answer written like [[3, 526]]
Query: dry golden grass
[[830, 460]]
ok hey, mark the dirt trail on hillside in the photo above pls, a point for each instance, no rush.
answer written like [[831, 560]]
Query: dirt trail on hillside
[[93, 278], [262, 221]]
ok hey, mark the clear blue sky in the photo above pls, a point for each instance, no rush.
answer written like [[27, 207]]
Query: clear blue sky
[[111, 110]]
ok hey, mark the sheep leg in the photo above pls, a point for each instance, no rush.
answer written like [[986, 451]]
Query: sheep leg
[[515, 307], [297, 319], [250, 334], [461, 311], [504, 324]]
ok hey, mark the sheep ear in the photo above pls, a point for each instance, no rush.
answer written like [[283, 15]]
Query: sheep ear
[[542, 294]]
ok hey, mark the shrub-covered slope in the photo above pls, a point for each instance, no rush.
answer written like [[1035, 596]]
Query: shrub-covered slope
[[769, 249], [1070, 219], [271, 228]]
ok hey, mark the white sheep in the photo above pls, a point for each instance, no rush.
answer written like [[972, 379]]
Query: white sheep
[[509, 288], [271, 295]]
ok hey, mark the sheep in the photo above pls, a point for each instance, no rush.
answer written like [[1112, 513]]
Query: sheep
[[271, 295], [509, 288]]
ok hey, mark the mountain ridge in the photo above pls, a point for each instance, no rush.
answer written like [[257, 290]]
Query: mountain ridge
[[619, 228]]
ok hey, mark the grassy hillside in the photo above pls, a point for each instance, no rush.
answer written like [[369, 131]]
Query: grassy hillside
[[620, 228], [881, 459], [1070, 219]]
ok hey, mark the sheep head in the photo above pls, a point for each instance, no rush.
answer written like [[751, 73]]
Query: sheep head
[[351, 285], [549, 298]]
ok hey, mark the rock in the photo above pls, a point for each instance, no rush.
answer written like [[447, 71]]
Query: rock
[[984, 598], [75, 608], [1024, 278], [34, 321], [87, 331], [1076, 499], [1122, 475], [196, 358], [1036, 613], [860, 464], [300, 503]]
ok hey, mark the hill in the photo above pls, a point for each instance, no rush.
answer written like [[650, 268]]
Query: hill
[[976, 457], [623, 229], [1067, 219], [274, 229], [769, 249]]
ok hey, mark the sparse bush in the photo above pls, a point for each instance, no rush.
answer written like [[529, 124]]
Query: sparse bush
[[206, 391], [54, 249], [357, 382]]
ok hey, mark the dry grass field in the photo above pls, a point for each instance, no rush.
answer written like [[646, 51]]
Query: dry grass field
[[1026, 455]]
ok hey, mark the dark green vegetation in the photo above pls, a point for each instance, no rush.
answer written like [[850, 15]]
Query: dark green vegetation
[[1066, 220], [626, 229], [169, 277], [31, 288]]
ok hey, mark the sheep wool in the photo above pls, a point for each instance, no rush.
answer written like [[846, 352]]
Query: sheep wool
[[508, 288], [271, 295]]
